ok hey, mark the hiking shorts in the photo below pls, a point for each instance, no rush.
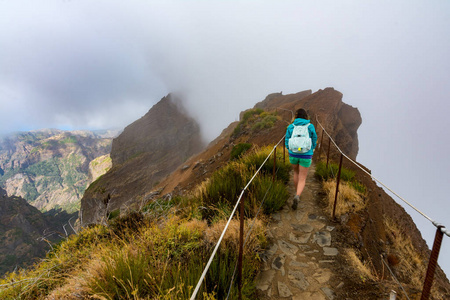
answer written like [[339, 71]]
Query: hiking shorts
[[304, 162]]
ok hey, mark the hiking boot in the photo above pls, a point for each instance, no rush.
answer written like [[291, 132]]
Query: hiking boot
[[295, 202]]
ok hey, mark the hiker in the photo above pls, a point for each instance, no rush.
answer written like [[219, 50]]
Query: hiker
[[300, 141]]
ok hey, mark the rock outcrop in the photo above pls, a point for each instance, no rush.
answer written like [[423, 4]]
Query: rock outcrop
[[144, 153], [49, 168], [339, 119]]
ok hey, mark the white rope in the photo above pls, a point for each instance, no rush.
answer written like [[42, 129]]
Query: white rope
[[412, 206], [194, 294], [393, 276]]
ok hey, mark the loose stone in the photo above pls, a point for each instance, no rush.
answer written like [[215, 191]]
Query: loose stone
[[278, 263], [299, 238], [327, 251], [296, 265], [287, 248], [323, 238], [328, 292], [265, 280], [283, 290], [302, 227], [298, 279]]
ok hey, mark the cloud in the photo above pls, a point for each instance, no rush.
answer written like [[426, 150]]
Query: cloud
[[85, 64]]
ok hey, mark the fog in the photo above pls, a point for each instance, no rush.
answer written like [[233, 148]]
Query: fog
[[103, 64]]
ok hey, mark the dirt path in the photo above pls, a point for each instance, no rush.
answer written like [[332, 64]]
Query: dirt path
[[300, 260]]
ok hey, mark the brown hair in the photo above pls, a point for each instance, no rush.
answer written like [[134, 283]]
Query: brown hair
[[301, 113]]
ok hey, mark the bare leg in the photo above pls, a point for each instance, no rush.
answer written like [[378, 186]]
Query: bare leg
[[301, 181], [296, 169]]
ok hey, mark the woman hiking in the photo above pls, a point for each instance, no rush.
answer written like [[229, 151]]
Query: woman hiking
[[300, 140]]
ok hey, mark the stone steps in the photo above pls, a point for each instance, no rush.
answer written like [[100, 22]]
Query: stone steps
[[298, 264]]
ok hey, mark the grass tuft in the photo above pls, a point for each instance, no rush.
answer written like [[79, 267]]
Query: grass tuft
[[348, 199]]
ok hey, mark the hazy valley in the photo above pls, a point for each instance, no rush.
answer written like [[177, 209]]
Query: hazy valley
[[52, 168]]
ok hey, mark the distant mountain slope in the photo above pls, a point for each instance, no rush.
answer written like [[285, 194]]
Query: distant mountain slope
[[50, 167], [24, 229], [142, 155]]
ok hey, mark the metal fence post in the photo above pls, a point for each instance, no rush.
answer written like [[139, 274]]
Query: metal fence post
[[328, 154], [337, 186], [274, 162], [241, 246], [321, 143], [432, 263]]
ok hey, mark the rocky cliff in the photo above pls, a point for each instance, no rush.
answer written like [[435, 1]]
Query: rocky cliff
[[142, 155], [24, 231], [49, 168], [341, 120]]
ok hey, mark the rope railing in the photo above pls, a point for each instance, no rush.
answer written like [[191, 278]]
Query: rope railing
[[441, 229], [374, 178], [202, 277]]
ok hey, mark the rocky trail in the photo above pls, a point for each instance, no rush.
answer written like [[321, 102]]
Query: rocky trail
[[299, 262]]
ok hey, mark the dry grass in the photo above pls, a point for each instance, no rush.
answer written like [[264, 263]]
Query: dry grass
[[231, 238], [410, 263], [348, 200], [362, 268]]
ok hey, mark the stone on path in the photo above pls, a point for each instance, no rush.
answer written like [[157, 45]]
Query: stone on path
[[302, 227], [278, 263], [265, 280], [323, 238], [327, 251], [287, 248], [299, 238], [283, 290], [298, 279], [300, 215], [309, 296], [328, 292], [297, 265], [322, 275]]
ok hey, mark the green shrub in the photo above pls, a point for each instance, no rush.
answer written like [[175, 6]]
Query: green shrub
[[324, 174], [226, 184], [255, 119], [359, 187], [267, 121], [114, 214], [238, 150]]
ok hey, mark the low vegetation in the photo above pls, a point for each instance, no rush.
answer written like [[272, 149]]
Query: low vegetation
[[238, 150], [255, 120], [161, 251], [363, 268], [403, 256], [351, 194]]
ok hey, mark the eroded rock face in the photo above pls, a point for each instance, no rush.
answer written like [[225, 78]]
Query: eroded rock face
[[147, 150]]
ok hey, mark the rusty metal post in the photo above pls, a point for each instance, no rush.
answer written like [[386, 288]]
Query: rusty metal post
[[274, 163], [337, 186], [432, 264], [241, 246], [328, 154], [321, 143]]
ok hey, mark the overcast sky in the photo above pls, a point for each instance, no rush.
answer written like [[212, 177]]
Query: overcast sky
[[102, 64]]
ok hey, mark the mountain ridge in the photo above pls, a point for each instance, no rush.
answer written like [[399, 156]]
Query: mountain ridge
[[145, 152], [174, 224]]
